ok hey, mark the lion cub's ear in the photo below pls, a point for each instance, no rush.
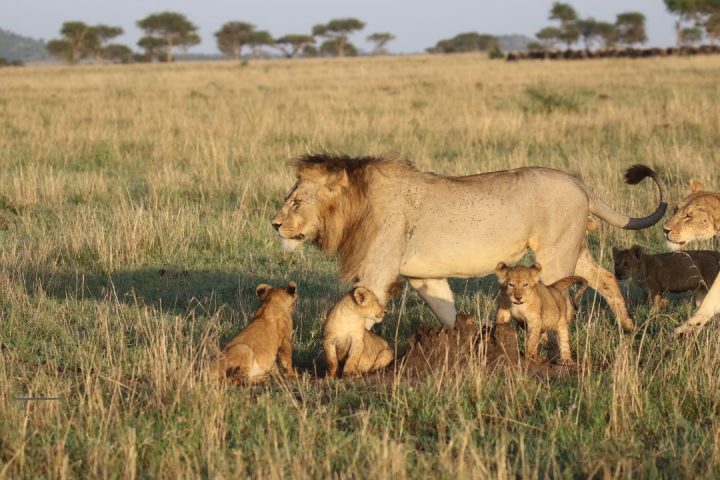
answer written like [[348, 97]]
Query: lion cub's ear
[[536, 269], [696, 186], [262, 290], [501, 271], [292, 288], [361, 295], [636, 251]]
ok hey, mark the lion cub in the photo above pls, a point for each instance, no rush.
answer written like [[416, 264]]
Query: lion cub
[[545, 309], [346, 338], [674, 272], [251, 355]]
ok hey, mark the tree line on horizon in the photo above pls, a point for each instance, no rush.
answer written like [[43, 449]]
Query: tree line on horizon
[[168, 32]]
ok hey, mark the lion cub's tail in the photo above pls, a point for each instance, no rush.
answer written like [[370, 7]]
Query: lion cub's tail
[[564, 284]]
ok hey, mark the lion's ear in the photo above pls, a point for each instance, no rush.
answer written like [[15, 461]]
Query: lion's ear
[[262, 290], [636, 251], [537, 267], [361, 295], [292, 288], [696, 186], [501, 271]]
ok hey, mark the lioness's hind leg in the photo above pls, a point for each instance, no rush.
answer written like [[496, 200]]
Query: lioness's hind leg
[[604, 282], [436, 292]]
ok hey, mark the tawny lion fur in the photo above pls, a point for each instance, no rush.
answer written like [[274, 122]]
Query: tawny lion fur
[[697, 217], [347, 340], [544, 309], [387, 220], [252, 354]]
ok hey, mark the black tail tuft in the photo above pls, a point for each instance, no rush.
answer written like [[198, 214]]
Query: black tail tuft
[[637, 173]]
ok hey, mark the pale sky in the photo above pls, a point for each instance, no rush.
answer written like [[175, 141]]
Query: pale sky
[[417, 24]]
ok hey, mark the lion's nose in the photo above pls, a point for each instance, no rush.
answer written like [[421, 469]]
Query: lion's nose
[[276, 225]]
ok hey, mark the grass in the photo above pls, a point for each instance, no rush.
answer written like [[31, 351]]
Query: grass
[[110, 174]]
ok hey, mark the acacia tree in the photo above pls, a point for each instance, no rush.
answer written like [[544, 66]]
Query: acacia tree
[[153, 47], [712, 27], [608, 34], [117, 53], [257, 40], [380, 39], [232, 37], [686, 10], [173, 28], [567, 16], [631, 28], [549, 36], [74, 42], [98, 38], [588, 31], [293, 43], [691, 35], [337, 31]]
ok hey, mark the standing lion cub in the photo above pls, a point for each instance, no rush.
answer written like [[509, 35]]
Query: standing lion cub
[[543, 308], [251, 355], [345, 336]]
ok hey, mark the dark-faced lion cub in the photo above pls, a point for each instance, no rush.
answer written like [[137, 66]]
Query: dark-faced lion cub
[[345, 337], [543, 308], [252, 354]]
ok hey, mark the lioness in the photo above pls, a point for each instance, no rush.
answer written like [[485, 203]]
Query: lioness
[[697, 217], [345, 337], [675, 272], [251, 355], [387, 220], [543, 309]]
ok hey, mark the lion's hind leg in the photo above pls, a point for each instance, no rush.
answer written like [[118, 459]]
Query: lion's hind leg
[[708, 308]]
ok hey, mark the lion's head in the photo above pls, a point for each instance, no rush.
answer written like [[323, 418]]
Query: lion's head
[[518, 282], [627, 261], [697, 217], [329, 207]]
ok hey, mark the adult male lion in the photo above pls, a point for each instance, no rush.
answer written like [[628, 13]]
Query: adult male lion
[[697, 217], [387, 220]]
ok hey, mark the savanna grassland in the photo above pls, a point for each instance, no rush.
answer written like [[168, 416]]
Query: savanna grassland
[[111, 175]]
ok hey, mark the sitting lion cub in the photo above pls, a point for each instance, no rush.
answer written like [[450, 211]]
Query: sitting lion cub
[[251, 355], [345, 336], [674, 272], [544, 309]]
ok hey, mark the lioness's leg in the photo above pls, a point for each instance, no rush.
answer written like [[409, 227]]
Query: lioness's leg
[[604, 282], [708, 308], [285, 354], [331, 358], [436, 292], [699, 296]]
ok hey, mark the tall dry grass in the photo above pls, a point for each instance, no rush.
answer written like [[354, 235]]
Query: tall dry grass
[[112, 173]]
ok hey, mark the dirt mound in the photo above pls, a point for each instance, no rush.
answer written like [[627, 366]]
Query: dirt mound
[[433, 349]]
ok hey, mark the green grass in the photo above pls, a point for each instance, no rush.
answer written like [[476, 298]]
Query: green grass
[[111, 174]]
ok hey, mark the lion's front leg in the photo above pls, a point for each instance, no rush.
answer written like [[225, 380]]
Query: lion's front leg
[[436, 292], [708, 308]]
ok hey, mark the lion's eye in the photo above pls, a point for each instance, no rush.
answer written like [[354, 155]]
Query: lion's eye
[[511, 285], [687, 216], [525, 284], [295, 204]]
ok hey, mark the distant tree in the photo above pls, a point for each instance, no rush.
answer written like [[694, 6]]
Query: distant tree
[[310, 50], [329, 49], [549, 36], [691, 35], [338, 30], [535, 46], [607, 33], [98, 38], [563, 12], [117, 53], [631, 28], [380, 39], [153, 47], [259, 39], [588, 28], [686, 10], [467, 42], [232, 37], [74, 42], [292, 44], [712, 27], [173, 28]]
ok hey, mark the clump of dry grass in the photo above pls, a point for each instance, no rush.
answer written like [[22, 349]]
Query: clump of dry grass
[[112, 173]]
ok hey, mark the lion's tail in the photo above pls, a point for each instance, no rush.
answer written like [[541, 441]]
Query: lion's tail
[[565, 283], [634, 175]]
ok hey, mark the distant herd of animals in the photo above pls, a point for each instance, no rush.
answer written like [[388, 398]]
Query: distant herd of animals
[[628, 52], [389, 223]]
